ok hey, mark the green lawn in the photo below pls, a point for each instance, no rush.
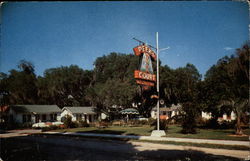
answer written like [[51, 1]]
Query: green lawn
[[120, 130], [221, 134], [173, 131]]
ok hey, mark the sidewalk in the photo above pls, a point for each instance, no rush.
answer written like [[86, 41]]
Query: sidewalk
[[202, 141], [15, 133]]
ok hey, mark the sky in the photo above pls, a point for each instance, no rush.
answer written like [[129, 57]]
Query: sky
[[54, 34]]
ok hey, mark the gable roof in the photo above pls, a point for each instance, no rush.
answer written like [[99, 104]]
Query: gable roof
[[37, 109], [81, 110]]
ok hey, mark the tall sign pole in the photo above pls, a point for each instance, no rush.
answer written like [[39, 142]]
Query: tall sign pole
[[145, 78], [157, 83], [158, 132]]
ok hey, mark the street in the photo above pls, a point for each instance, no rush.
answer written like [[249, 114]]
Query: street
[[46, 147]]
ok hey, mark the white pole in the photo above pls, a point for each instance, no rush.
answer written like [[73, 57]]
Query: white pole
[[157, 83]]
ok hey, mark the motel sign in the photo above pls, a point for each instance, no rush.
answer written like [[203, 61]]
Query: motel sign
[[144, 76]]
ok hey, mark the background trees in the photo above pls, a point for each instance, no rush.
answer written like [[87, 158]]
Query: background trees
[[227, 85], [19, 87], [64, 86], [110, 84]]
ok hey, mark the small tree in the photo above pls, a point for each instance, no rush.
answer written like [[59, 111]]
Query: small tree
[[68, 121]]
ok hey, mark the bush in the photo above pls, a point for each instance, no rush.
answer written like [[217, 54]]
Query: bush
[[83, 124], [103, 124], [227, 124], [163, 124], [143, 122], [51, 127], [68, 123], [151, 121]]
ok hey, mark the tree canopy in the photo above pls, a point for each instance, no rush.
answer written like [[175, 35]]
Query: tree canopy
[[111, 84]]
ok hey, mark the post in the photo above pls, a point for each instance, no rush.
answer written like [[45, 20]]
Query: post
[[158, 132], [157, 83]]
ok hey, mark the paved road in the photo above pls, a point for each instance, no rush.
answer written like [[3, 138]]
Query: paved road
[[78, 148], [204, 141]]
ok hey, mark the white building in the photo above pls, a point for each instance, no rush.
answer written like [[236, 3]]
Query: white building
[[34, 113], [87, 114], [166, 112], [225, 117]]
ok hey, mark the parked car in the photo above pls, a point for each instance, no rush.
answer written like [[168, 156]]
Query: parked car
[[40, 124], [47, 124], [140, 118]]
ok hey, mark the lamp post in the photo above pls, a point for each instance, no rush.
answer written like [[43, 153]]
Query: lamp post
[[158, 132], [157, 83], [158, 80]]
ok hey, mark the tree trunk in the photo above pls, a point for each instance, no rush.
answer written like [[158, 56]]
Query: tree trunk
[[238, 127]]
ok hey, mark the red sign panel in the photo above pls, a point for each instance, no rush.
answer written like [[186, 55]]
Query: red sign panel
[[144, 49], [145, 76], [146, 83]]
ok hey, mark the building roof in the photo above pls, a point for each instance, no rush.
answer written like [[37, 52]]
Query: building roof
[[81, 110], [129, 111], [36, 109]]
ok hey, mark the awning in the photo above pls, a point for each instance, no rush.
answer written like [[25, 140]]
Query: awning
[[130, 111]]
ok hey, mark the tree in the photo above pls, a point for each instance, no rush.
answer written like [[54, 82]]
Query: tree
[[228, 81], [114, 84], [182, 86], [4, 93], [188, 95], [65, 86], [20, 85]]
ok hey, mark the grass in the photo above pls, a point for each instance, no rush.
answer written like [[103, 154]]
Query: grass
[[119, 130], [218, 134], [173, 131]]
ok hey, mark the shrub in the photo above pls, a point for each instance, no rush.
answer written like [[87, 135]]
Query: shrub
[[163, 124], [143, 122], [68, 123], [83, 123], [189, 126], [227, 124], [151, 121], [189, 115], [51, 127], [103, 124], [201, 121]]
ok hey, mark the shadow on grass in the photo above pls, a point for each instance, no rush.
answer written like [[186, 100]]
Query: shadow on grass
[[39, 147]]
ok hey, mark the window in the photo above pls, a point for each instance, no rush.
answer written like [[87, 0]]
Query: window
[[90, 118], [37, 118], [78, 117], [43, 117], [28, 118], [24, 119], [55, 116], [51, 117], [85, 117]]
